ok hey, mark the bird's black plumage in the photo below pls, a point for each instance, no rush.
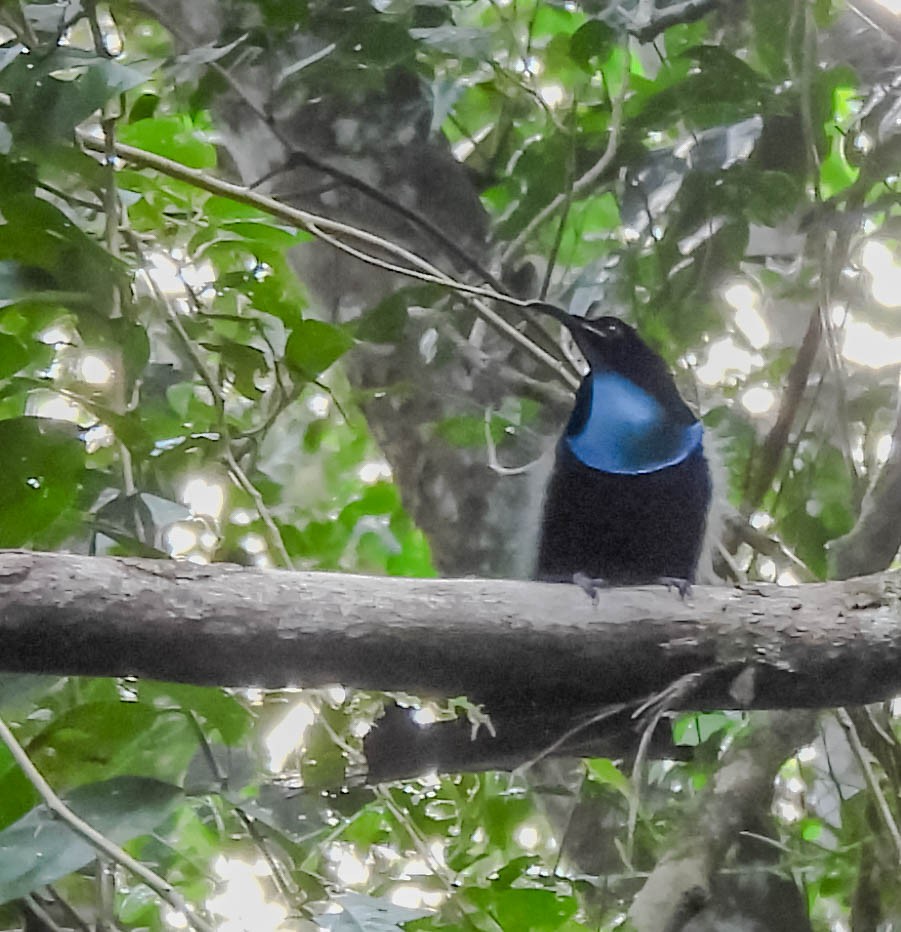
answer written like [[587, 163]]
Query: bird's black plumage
[[629, 493]]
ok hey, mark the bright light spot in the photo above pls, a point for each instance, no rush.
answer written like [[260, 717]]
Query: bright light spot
[[795, 785], [741, 295], [425, 716], [807, 754], [174, 919], [334, 695], [758, 400], [241, 517], [208, 540], [725, 357], [180, 538], [788, 811], [288, 734], [787, 578], [839, 314], [867, 346], [164, 274], [347, 867], [883, 448], [767, 569], [253, 543], [761, 520], [893, 6], [243, 899], [203, 497], [885, 273], [552, 94], [410, 897], [58, 334], [416, 867], [319, 404], [374, 471], [49, 404], [95, 370], [527, 836], [198, 276], [97, 437], [753, 326]]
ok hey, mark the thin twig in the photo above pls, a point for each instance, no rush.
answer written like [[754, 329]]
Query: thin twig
[[861, 753], [300, 156], [161, 887], [238, 474], [493, 462], [584, 183], [329, 231]]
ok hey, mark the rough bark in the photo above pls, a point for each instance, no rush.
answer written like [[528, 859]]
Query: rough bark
[[816, 645], [678, 894]]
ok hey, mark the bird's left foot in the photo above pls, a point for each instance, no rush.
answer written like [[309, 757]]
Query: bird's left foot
[[590, 585], [682, 586]]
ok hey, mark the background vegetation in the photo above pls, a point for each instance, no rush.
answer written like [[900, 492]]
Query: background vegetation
[[184, 374]]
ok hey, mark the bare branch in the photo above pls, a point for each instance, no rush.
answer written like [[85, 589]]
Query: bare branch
[[163, 889], [816, 645], [873, 542]]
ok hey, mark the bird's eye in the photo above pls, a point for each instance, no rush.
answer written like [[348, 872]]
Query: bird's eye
[[609, 327]]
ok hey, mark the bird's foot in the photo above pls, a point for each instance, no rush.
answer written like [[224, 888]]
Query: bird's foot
[[682, 586], [590, 585]]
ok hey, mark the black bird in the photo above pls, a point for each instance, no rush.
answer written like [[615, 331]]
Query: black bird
[[628, 496]]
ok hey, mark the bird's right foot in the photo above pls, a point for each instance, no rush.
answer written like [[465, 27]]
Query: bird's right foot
[[590, 585]]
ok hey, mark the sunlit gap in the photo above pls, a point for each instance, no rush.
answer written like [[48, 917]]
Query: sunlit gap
[[288, 735], [194, 539], [170, 273], [745, 301], [95, 369], [91, 367], [243, 899], [864, 345]]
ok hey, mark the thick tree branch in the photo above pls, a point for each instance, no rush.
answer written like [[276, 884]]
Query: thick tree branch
[[823, 644], [680, 886], [875, 539]]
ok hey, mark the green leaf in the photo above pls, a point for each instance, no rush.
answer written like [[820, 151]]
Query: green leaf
[[40, 848], [516, 908], [176, 137], [386, 322], [13, 356], [368, 914], [314, 345], [42, 462], [19, 690], [694, 728], [216, 709], [56, 92], [811, 829], [604, 771], [591, 41]]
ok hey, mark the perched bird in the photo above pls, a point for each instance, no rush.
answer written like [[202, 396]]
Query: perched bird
[[629, 493], [626, 503]]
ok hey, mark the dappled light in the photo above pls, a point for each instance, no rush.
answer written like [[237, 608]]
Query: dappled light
[[298, 297]]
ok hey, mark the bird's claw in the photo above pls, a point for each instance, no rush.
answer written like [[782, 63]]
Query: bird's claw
[[590, 585], [682, 586]]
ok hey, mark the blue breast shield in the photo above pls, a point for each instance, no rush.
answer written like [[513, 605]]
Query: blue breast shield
[[618, 427]]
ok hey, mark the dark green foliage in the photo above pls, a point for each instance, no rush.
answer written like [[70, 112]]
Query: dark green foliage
[[167, 389]]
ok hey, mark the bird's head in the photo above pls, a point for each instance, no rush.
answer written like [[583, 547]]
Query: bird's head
[[610, 344]]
